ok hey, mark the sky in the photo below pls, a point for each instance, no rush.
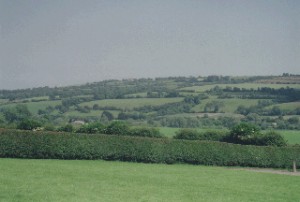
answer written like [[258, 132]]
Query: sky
[[69, 42]]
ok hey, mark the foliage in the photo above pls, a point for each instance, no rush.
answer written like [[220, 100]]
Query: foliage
[[49, 145], [94, 127], [244, 133], [66, 128], [28, 124], [145, 132], [272, 138], [187, 134], [117, 128], [249, 134]]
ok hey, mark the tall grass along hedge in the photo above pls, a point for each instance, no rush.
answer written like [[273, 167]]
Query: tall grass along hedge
[[50, 145]]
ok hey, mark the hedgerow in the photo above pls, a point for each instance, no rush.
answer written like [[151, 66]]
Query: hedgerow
[[54, 145]]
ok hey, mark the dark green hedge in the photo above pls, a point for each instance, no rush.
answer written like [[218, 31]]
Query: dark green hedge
[[53, 145]]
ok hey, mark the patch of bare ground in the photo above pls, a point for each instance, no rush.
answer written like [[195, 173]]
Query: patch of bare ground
[[268, 170]]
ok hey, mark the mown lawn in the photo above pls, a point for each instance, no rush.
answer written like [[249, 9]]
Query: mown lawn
[[60, 180]]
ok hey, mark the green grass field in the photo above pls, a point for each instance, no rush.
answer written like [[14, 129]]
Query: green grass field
[[79, 181], [292, 136], [230, 105], [286, 106], [92, 113], [240, 85], [33, 107], [131, 103]]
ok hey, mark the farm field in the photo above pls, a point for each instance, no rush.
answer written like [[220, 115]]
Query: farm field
[[92, 113], [34, 107], [201, 89], [230, 105], [60, 180], [292, 136], [131, 103], [286, 106]]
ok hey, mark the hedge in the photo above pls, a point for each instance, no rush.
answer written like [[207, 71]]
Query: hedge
[[54, 145]]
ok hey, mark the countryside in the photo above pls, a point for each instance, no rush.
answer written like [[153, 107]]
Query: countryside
[[149, 101], [189, 129]]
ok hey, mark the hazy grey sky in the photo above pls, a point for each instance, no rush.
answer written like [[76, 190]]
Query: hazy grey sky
[[61, 42]]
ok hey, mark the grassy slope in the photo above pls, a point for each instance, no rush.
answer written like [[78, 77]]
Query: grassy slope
[[292, 136], [35, 106], [240, 85], [131, 103], [230, 105], [57, 180]]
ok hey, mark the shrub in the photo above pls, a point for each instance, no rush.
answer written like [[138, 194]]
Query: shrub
[[66, 128], [28, 124], [53, 145], [187, 134], [145, 132], [243, 133], [273, 138], [117, 128], [94, 127], [213, 135]]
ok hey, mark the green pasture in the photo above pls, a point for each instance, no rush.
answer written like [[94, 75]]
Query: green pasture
[[292, 136], [94, 113], [287, 106], [170, 132], [204, 88], [81, 180], [230, 105], [136, 94], [34, 107], [3, 101], [131, 103]]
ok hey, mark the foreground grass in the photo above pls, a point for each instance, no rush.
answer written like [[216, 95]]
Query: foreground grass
[[57, 180]]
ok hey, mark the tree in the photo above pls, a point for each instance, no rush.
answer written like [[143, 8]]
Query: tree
[[117, 128], [244, 133], [28, 124], [108, 115]]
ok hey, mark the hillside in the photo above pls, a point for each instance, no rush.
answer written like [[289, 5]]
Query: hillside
[[219, 102]]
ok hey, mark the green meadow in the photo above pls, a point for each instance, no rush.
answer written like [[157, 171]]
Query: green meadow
[[131, 103], [201, 89], [81, 180], [34, 107]]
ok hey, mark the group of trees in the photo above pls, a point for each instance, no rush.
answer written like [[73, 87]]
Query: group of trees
[[243, 133]]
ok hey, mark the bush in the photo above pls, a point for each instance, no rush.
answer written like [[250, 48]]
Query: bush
[[243, 133], [187, 134], [213, 135], [66, 128], [273, 138], [145, 132], [94, 127], [249, 134], [117, 128], [28, 124], [53, 145]]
